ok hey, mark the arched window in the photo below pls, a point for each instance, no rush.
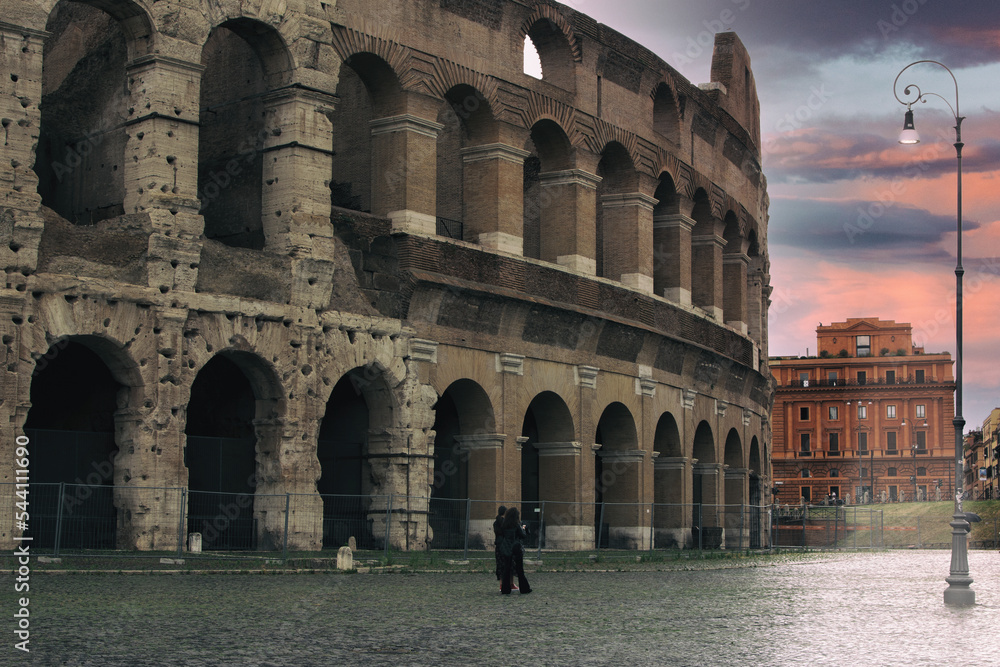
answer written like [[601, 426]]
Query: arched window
[[532, 62], [834, 473], [891, 472], [805, 473], [555, 55]]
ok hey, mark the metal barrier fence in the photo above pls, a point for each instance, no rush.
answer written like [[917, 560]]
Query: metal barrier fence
[[82, 519]]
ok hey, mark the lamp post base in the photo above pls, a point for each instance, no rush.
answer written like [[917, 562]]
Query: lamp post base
[[958, 593]]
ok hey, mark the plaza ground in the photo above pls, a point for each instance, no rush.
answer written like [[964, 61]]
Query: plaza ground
[[781, 610]]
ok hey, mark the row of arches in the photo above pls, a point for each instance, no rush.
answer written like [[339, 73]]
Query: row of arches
[[444, 163], [232, 455]]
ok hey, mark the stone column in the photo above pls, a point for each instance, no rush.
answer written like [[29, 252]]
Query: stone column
[[672, 256], [706, 267], [628, 232], [734, 278], [569, 214], [756, 318], [671, 495], [295, 194], [623, 512], [404, 172], [287, 464], [494, 196], [558, 484], [161, 165], [391, 509], [20, 95], [483, 456]]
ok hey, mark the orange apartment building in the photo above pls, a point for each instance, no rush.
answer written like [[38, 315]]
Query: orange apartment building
[[982, 459], [869, 418]]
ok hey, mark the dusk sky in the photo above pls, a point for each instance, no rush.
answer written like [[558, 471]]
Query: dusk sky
[[860, 225]]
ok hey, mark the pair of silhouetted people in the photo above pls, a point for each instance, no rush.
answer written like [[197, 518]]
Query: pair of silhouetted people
[[510, 536]]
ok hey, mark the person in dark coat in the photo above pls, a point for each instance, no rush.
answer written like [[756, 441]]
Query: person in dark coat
[[512, 552], [497, 539]]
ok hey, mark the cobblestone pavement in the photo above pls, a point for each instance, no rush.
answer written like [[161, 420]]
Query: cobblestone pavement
[[700, 617]]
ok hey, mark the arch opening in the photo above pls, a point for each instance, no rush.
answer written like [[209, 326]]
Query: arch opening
[[220, 456], [358, 413], [80, 155], [73, 448]]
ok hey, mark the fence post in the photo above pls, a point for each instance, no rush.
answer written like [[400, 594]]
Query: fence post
[[468, 518], [742, 514], [600, 527], [805, 515], [652, 535], [180, 523], [388, 526], [541, 528], [59, 514], [284, 549], [701, 530]]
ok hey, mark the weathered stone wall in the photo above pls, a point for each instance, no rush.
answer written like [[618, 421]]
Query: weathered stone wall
[[376, 192]]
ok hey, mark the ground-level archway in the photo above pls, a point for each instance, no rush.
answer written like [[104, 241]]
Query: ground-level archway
[[620, 521], [467, 467], [71, 433], [550, 465]]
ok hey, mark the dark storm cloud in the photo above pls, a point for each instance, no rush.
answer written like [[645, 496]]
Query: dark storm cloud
[[883, 230], [963, 33], [828, 29]]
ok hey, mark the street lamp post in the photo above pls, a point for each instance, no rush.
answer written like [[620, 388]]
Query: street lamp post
[[958, 592], [913, 452]]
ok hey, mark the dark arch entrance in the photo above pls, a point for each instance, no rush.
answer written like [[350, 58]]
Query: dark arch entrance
[[466, 456], [616, 471], [220, 457], [358, 405], [71, 428], [548, 455], [705, 489]]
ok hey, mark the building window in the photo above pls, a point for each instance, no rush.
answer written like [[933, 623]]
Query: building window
[[863, 442], [864, 345], [890, 412], [834, 443], [804, 379], [891, 472], [862, 377], [862, 412], [921, 442], [890, 377], [834, 412], [834, 473], [805, 473], [806, 493], [864, 473], [921, 472], [804, 413], [921, 412], [832, 377], [804, 443], [919, 376], [890, 441]]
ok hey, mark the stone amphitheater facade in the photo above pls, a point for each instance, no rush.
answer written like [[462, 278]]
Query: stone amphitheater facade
[[358, 237]]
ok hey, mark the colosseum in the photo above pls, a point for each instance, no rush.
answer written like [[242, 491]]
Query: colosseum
[[348, 262]]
